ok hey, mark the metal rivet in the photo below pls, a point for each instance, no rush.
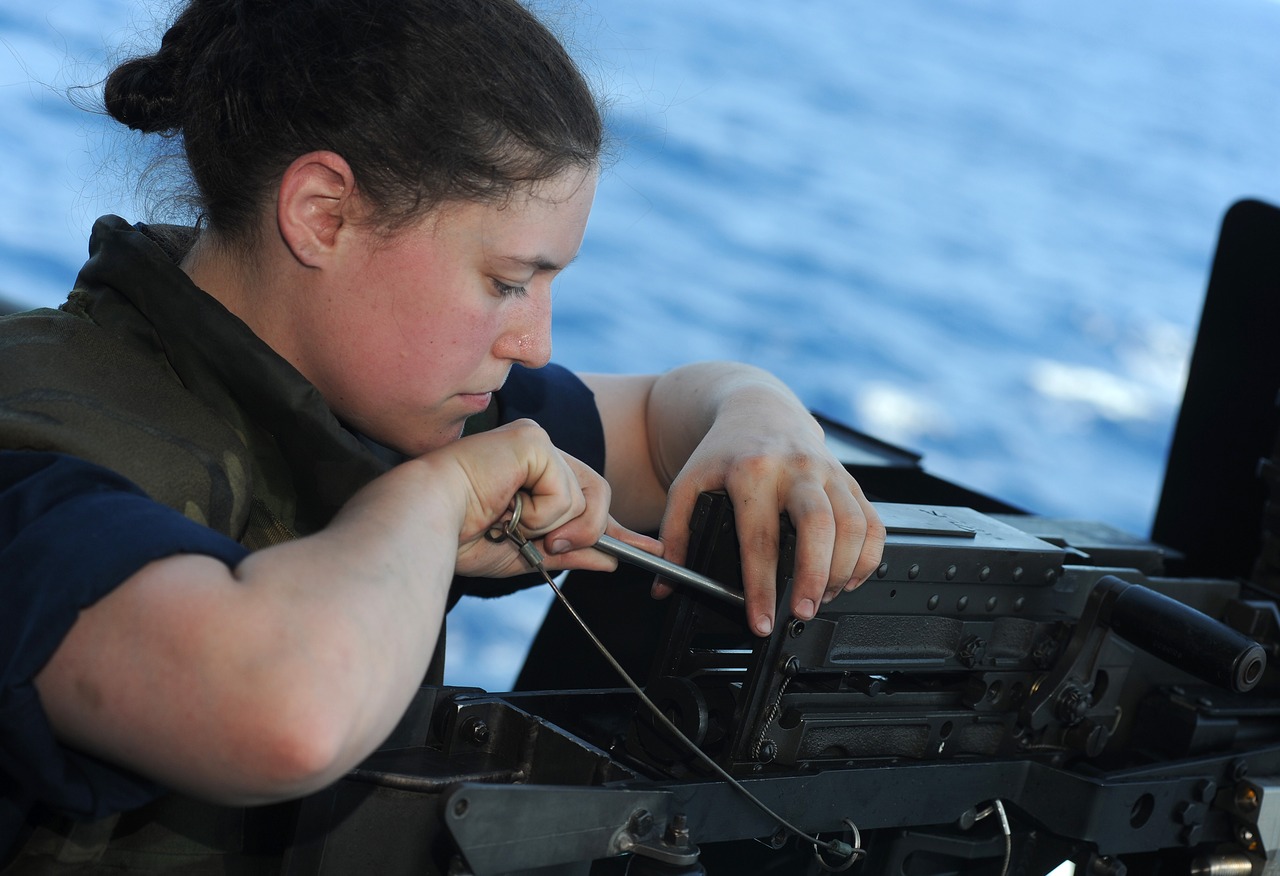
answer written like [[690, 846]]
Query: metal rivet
[[882, 570], [951, 572], [992, 603], [1019, 603], [932, 603], [984, 573], [1017, 573], [962, 603], [914, 571]]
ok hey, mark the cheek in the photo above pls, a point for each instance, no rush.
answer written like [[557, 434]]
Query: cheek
[[439, 344]]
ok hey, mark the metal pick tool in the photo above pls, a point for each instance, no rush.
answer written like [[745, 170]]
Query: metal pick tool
[[668, 570]]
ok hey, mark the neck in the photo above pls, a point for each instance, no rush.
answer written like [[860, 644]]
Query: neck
[[242, 280]]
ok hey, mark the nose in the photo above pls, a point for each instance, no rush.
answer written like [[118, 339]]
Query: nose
[[527, 336]]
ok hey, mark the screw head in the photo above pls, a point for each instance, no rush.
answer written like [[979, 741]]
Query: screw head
[[476, 730]]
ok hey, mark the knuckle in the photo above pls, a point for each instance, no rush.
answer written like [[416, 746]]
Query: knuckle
[[528, 429], [754, 466]]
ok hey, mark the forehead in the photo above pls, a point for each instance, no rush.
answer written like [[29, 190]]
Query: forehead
[[542, 223]]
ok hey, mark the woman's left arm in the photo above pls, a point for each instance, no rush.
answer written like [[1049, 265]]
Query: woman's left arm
[[733, 427]]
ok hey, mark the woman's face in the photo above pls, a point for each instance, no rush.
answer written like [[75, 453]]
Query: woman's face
[[422, 328]]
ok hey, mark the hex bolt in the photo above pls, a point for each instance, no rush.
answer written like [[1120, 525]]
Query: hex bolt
[[1190, 813], [476, 730], [1073, 703], [677, 831], [640, 823]]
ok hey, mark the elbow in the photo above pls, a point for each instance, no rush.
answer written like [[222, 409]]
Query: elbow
[[301, 721], [286, 749], [298, 759]]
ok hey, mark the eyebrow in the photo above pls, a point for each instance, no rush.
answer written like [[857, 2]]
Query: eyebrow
[[541, 263]]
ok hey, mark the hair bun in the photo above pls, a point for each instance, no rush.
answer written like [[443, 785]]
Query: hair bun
[[145, 93], [141, 94]]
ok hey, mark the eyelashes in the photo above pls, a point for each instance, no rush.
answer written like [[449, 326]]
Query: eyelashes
[[509, 291]]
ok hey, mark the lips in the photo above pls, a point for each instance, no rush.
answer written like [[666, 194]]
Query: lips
[[477, 400], [482, 399]]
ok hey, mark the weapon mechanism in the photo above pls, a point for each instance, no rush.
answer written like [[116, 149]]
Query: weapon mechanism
[[1007, 693]]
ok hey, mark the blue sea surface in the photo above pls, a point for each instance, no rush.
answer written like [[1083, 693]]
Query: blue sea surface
[[979, 230]]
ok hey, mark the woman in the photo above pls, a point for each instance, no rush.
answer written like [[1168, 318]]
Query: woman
[[236, 491]]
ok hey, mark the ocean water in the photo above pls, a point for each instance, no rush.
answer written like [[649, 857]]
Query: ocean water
[[979, 230]]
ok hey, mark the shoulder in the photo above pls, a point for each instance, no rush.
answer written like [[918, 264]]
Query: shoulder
[[70, 385]]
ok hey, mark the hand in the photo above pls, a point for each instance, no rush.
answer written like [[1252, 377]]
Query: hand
[[769, 456], [565, 503]]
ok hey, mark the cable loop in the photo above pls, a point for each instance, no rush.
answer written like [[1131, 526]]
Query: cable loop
[[509, 528], [852, 854]]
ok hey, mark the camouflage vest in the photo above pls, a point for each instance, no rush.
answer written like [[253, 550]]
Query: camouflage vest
[[143, 373]]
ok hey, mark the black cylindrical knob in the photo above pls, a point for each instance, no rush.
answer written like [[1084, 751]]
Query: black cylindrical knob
[[1181, 635]]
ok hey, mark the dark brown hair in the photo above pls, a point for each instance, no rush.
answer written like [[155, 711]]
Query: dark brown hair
[[428, 100]]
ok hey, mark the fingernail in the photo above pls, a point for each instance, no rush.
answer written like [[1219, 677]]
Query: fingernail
[[853, 584], [764, 625], [559, 546], [827, 597], [806, 609]]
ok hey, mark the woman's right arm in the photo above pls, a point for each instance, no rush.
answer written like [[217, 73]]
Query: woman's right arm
[[272, 679]]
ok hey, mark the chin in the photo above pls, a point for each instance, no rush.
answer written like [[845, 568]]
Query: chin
[[425, 443]]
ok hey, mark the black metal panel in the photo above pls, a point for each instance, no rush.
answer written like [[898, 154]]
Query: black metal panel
[[1211, 505]]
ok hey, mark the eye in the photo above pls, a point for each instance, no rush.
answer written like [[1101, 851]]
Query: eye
[[508, 291]]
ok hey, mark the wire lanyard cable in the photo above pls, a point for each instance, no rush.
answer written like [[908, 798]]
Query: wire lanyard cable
[[509, 530]]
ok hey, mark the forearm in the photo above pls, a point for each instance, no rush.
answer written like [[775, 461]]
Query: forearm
[[654, 423], [686, 402]]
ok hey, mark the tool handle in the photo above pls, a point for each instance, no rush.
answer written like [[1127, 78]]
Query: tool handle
[[668, 570]]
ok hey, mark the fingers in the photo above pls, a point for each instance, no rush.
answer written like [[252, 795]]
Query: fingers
[[759, 537], [839, 538], [873, 539], [582, 525], [572, 545], [840, 541], [674, 531]]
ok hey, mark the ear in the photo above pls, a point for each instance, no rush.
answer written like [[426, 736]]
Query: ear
[[315, 204]]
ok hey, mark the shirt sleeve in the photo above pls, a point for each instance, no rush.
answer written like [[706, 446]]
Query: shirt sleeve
[[70, 532], [558, 400]]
